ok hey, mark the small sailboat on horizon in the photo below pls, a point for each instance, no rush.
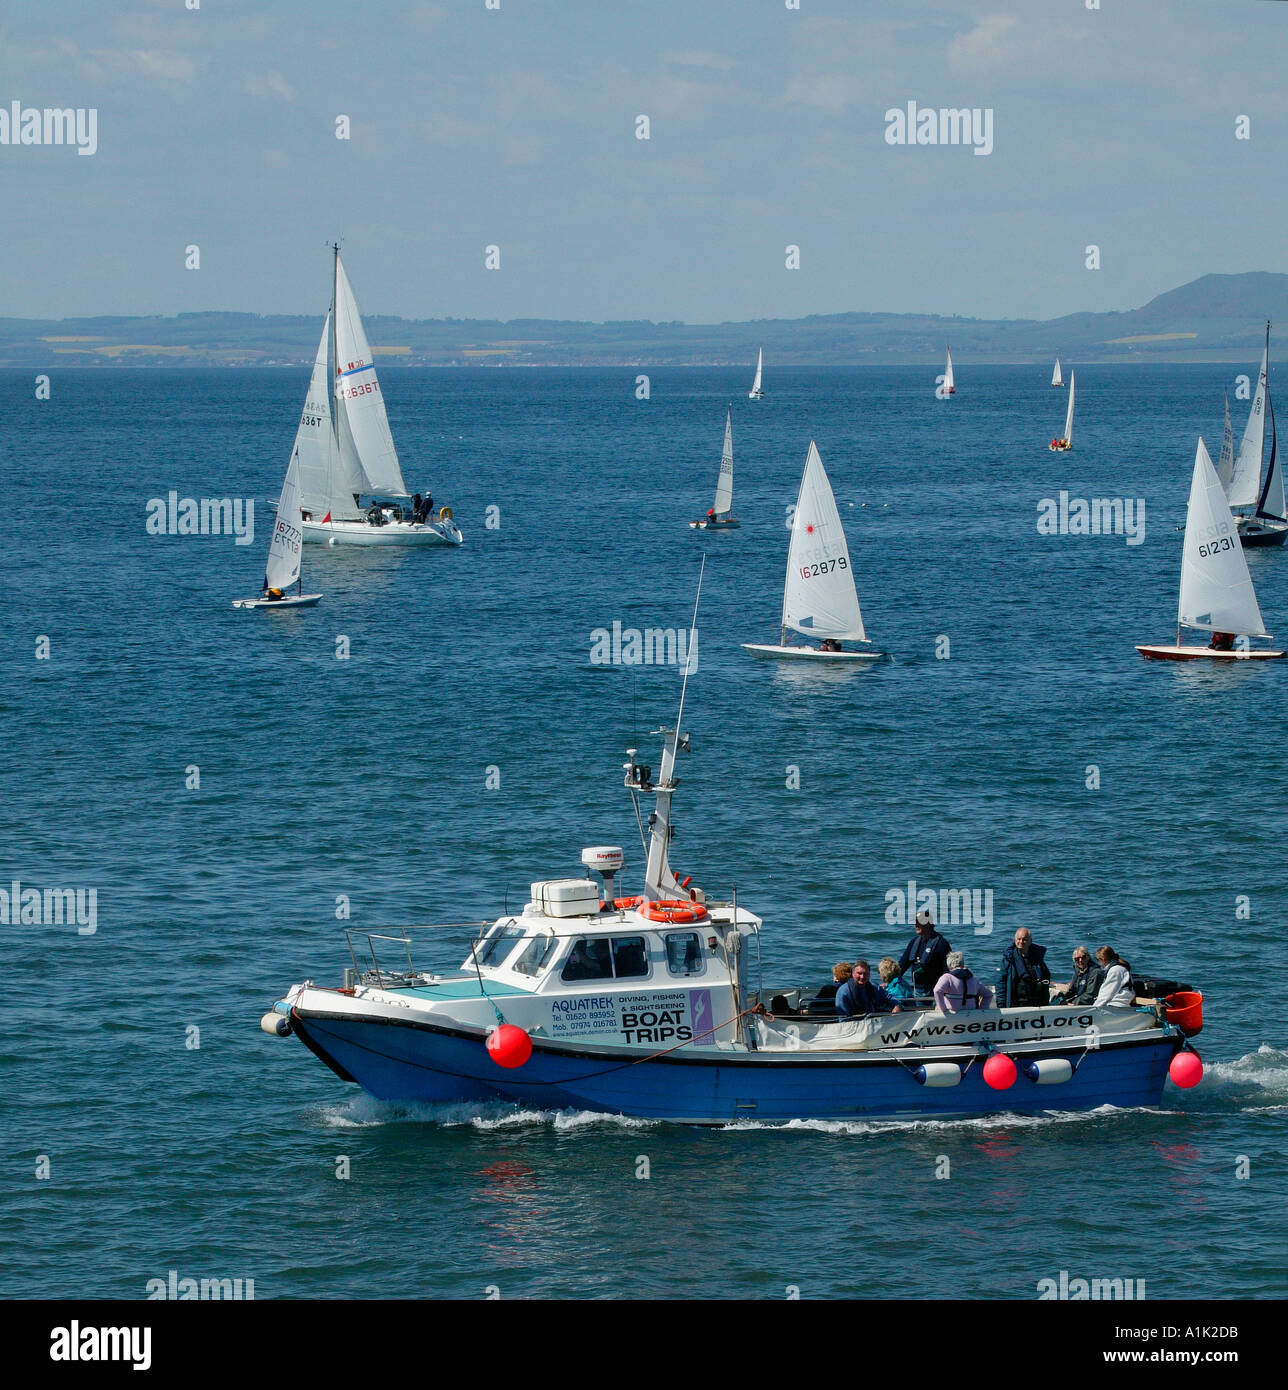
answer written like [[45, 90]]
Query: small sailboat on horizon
[[819, 597], [1056, 378], [756, 392], [282, 569], [946, 386], [1216, 593], [719, 517], [1066, 440], [1267, 523]]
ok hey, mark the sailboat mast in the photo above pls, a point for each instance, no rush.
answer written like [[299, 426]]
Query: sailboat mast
[[335, 351]]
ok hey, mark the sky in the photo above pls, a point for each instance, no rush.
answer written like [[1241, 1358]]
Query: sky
[[516, 127]]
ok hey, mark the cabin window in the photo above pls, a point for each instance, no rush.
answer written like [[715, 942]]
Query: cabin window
[[532, 959], [684, 953], [603, 958], [499, 946]]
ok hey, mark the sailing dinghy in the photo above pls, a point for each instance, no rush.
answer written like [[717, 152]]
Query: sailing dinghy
[[1066, 440], [946, 386], [351, 481], [283, 567], [819, 597], [719, 518], [1216, 589], [755, 393], [1056, 378], [1267, 523]]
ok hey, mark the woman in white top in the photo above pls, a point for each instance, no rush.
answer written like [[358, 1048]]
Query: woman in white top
[[1116, 989]]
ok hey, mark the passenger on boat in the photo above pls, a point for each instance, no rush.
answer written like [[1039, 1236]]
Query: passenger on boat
[[859, 996], [824, 1002], [957, 987], [1115, 989], [711, 513], [1222, 642], [1086, 982], [896, 988], [274, 595], [926, 955], [829, 644], [588, 960], [1025, 981]]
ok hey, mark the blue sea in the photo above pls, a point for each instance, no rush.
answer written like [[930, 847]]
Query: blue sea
[[221, 779]]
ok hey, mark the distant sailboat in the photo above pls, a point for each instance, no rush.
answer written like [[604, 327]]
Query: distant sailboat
[[351, 482], [1056, 378], [719, 518], [948, 388], [1267, 524], [1066, 439], [283, 567], [756, 393], [1225, 466], [1216, 589], [819, 597]]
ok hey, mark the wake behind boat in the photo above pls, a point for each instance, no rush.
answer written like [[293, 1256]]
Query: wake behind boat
[[1267, 522], [1216, 593], [284, 550], [651, 1005], [719, 517], [351, 481], [819, 597]]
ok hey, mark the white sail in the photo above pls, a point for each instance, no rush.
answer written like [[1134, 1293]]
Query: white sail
[[724, 484], [1245, 479], [819, 598], [283, 567], [358, 398], [1068, 414], [1216, 588], [1225, 465], [948, 374], [1271, 504], [1056, 378], [325, 487], [755, 391]]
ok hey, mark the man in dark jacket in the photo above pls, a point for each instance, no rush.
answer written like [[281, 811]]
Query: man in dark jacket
[[1086, 982], [860, 996], [926, 955], [1025, 977]]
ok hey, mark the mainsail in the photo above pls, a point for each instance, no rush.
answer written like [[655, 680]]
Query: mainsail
[[949, 388], [1068, 415], [755, 391], [328, 479], [1271, 503], [362, 423], [724, 484], [1056, 378], [1216, 588], [283, 567], [1245, 478], [819, 598], [1225, 466]]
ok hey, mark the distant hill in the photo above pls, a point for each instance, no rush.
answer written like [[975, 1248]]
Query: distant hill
[[1213, 318]]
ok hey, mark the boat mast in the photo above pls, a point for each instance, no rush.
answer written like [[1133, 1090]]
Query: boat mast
[[335, 351]]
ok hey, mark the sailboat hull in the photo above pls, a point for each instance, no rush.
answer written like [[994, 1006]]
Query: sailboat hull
[[705, 525], [1174, 653], [292, 601], [1257, 532], [811, 653], [392, 533]]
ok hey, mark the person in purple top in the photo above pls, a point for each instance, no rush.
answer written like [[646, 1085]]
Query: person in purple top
[[860, 996]]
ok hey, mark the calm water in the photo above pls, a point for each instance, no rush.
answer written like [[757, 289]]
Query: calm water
[[366, 777]]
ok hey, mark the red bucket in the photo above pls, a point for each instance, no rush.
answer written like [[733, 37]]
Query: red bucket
[[1185, 1010]]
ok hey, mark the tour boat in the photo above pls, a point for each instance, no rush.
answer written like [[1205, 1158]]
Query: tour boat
[[350, 478], [1066, 440], [651, 1004], [283, 566], [756, 393], [819, 597], [1056, 378], [719, 518], [1267, 523], [1216, 589]]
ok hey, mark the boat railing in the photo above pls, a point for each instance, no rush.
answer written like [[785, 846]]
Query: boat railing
[[395, 943]]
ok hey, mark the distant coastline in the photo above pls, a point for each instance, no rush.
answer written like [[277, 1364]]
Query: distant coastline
[[1217, 318]]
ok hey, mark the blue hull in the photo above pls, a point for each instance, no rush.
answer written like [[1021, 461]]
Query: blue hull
[[398, 1062]]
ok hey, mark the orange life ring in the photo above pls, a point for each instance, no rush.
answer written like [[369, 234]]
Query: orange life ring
[[625, 904], [674, 910]]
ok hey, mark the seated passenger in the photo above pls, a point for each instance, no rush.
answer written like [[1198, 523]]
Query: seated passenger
[[957, 988], [859, 996], [588, 960], [824, 1002], [1025, 980], [895, 986], [1115, 989], [1086, 982]]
